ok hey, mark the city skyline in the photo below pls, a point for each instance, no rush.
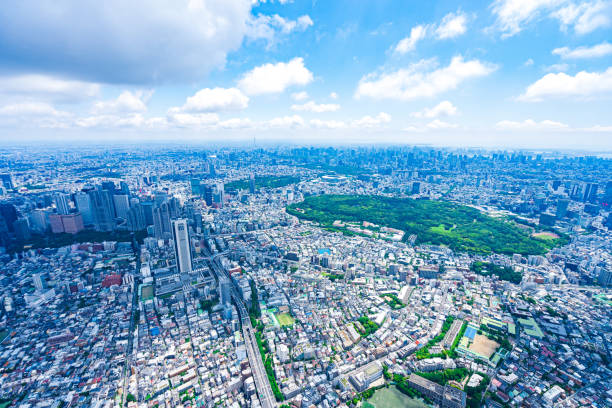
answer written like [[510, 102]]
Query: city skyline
[[500, 73]]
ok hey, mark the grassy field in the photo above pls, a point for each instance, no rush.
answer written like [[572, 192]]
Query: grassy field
[[392, 398], [546, 236], [285, 319], [461, 228]]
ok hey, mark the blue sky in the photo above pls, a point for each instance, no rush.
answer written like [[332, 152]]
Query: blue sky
[[499, 73]]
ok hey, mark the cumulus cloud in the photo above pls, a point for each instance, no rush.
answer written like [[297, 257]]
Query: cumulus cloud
[[266, 27], [311, 106], [299, 96], [275, 78], [444, 108], [409, 43], [126, 102], [451, 26], [215, 100], [419, 80], [372, 121], [586, 16], [48, 87], [595, 51], [583, 84], [182, 119], [168, 41], [333, 95], [512, 16], [530, 124]]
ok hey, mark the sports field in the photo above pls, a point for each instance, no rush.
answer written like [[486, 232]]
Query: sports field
[[545, 235], [285, 319], [483, 346], [392, 398]]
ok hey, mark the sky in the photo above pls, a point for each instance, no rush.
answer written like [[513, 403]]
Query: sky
[[497, 73]]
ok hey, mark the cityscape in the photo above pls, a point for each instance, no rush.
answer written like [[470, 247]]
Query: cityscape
[[306, 204], [303, 277]]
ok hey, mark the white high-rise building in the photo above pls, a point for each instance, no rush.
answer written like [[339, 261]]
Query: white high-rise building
[[182, 247], [38, 282], [122, 205]]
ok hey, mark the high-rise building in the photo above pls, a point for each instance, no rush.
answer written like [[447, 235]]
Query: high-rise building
[[83, 205], [55, 221], [72, 223], [561, 208], [608, 194], [136, 217], [207, 192], [122, 205], [39, 220], [102, 209], [252, 184], [61, 203], [225, 291], [590, 193], [6, 179], [161, 221], [39, 284], [182, 246], [22, 229], [605, 277]]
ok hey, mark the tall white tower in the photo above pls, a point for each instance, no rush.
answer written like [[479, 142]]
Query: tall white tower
[[182, 247]]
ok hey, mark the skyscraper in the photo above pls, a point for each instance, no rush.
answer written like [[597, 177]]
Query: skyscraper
[[161, 221], [182, 246], [61, 203], [102, 209], [83, 204], [122, 205], [6, 180], [225, 291], [252, 184]]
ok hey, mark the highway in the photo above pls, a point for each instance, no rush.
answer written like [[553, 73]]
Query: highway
[[264, 391]]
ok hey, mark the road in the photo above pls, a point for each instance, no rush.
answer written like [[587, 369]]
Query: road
[[262, 384], [130, 346]]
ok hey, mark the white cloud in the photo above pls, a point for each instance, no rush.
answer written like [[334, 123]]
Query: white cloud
[[444, 108], [557, 67], [586, 16], [192, 119], [266, 27], [327, 124], [168, 40], [512, 15], [369, 121], [528, 63], [595, 51], [311, 106], [333, 95], [48, 87], [236, 123], [451, 26], [419, 81], [437, 124], [285, 122], [583, 84], [135, 120], [30, 109], [299, 96], [215, 100], [530, 124], [275, 78], [126, 102], [409, 43]]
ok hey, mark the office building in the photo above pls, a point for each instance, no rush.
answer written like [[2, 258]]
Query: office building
[[590, 193], [122, 205], [182, 246], [561, 208], [161, 221], [225, 291], [22, 229], [38, 281], [252, 184], [6, 180], [61, 203], [83, 205], [72, 223], [102, 209]]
